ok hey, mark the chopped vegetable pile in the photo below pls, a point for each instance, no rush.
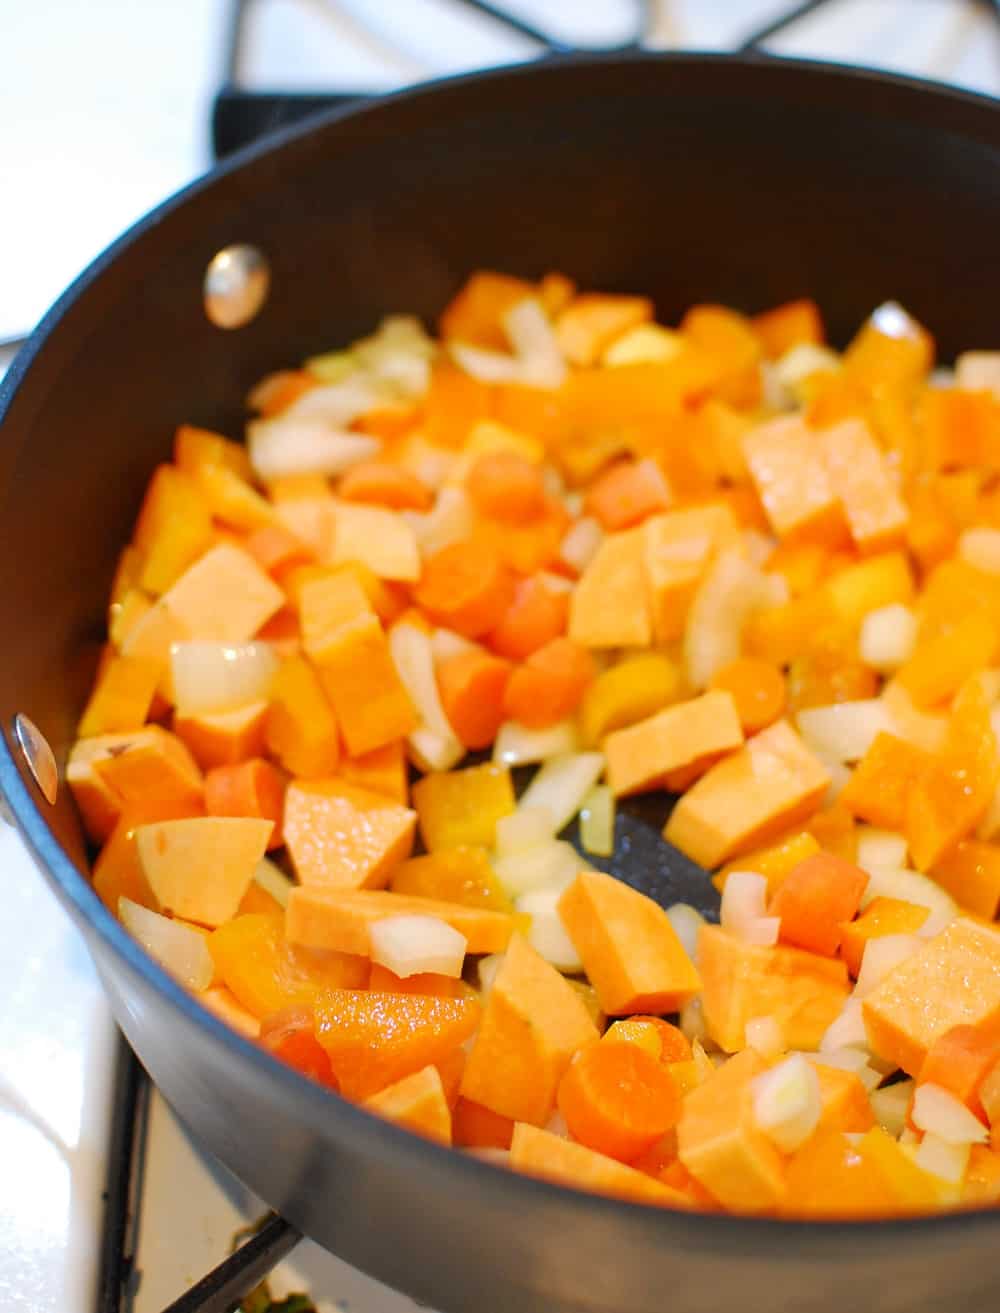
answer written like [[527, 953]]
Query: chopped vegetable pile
[[722, 561]]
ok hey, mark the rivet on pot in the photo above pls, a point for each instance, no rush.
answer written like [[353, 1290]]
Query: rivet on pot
[[38, 756], [237, 282]]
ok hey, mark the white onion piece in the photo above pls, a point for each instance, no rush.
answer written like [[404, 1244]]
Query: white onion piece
[[891, 1104], [273, 880], [337, 405], [554, 864], [848, 1059], [179, 949], [287, 445], [556, 1125], [487, 366], [911, 887], [879, 848], [524, 828], [795, 366], [449, 521], [547, 935], [431, 751], [533, 339], [517, 745], [731, 590], [978, 371], [844, 731], [786, 1103], [562, 784], [487, 970], [703, 1060], [948, 1162], [555, 583], [434, 743], [579, 547], [597, 821], [916, 727], [981, 548], [692, 1020], [938, 1112], [409, 945], [774, 395], [880, 957], [445, 644], [846, 1030], [887, 638], [208, 677], [744, 909], [763, 1035], [687, 923]]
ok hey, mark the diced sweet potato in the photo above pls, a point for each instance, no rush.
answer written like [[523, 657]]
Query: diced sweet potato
[[380, 538], [223, 738], [150, 763], [786, 463], [173, 529], [860, 478], [122, 696], [673, 747], [301, 727], [340, 919], [829, 1178], [417, 1103], [971, 874], [803, 992], [628, 946], [360, 678], [476, 1127], [677, 547], [882, 916], [382, 770], [540, 1153], [609, 606], [199, 868], [225, 595], [532, 1025], [342, 837], [226, 1006], [770, 784], [844, 1104], [919, 1000]]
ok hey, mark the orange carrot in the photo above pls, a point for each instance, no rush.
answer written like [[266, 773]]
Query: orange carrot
[[476, 312], [466, 588], [536, 616], [506, 486], [550, 684], [959, 1060], [815, 898], [758, 689], [618, 1100], [289, 1035], [472, 686], [662, 1040], [380, 483], [453, 404], [477, 1127], [628, 493], [253, 788], [276, 548]]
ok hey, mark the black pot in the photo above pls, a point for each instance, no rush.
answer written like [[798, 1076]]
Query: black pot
[[692, 178]]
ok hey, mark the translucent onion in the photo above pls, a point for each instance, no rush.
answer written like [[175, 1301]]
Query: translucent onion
[[692, 1020], [445, 644], [487, 366], [881, 956], [877, 847], [273, 880], [948, 1162], [562, 784], [786, 1102], [763, 1034], [687, 923], [410, 945], [978, 371], [524, 828], [597, 821], [579, 547], [915, 726], [891, 1105], [516, 745], [487, 970], [981, 548], [744, 909], [179, 949], [846, 1030], [550, 865], [888, 637], [209, 676], [731, 590], [844, 731], [938, 1112], [911, 887], [434, 745], [533, 339], [287, 445], [450, 520], [547, 934], [795, 366]]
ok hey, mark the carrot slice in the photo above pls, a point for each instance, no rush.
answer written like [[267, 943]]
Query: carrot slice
[[628, 493], [758, 689], [472, 686], [550, 685], [381, 483], [815, 899], [960, 1060], [534, 618], [465, 587], [618, 1100], [253, 788]]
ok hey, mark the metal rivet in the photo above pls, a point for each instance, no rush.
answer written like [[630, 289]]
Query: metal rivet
[[38, 756], [237, 282]]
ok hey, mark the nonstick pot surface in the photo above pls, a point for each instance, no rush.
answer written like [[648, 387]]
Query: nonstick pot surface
[[691, 178]]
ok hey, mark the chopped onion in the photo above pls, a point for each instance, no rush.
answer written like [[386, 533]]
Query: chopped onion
[[449, 521], [597, 821], [786, 1102], [775, 395], [844, 731], [555, 583], [846, 1030], [288, 445], [911, 887], [949, 1162], [937, 1111], [704, 1063], [533, 339], [916, 727], [731, 590], [744, 909], [981, 548], [562, 784], [431, 751], [579, 547], [795, 366], [524, 828], [687, 925], [179, 949], [487, 366], [409, 945], [849, 1059], [210, 677], [336, 405], [550, 865], [553, 483], [273, 880], [434, 745], [763, 1035], [879, 848], [888, 637], [487, 970], [445, 644], [556, 1125], [989, 826], [881, 956], [547, 934], [692, 1020], [516, 745], [978, 371], [398, 354], [891, 1105], [839, 775], [941, 377]]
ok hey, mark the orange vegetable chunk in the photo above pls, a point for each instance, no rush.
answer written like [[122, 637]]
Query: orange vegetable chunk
[[729, 340], [770, 784], [453, 875], [173, 529], [593, 320], [383, 981], [677, 548], [803, 992], [882, 780], [951, 981], [253, 788], [472, 687], [628, 946], [971, 874], [609, 606], [549, 686], [117, 871], [882, 916], [340, 836], [200, 867], [831, 1176], [941, 663], [843, 1100], [224, 738], [301, 726], [110, 773], [775, 862], [506, 486], [788, 325], [340, 919], [532, 1025], [959, 1061], [475, 314], [225, 1005], [374, 1040], [381, 483], [628, 493], [225, 596], [785, 459], [465, 587], [476, 1127], [758, 689], [417, 1103], [859, 476], [535, 616], [122, 696], [674, 746], [290, 1036], [382, 770], [460, 808], [618, 1100], [540, 1153], [814, 899]]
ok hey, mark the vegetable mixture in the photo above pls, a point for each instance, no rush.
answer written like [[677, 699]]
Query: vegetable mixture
[[721, 561]]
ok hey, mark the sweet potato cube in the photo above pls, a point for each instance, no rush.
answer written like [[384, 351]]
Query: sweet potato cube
[[786, 464], [223, 738], [721, 1147], [380, 538], [882, 916], [200, 868], [843, 1100], [682, 740], [301, 727], [148, 763], [98, 804], [231, 499], [860, 478], [769, 785], [628, 946], [592, 321], [890, 349], [117, 871], [609, 606], [880, 783], [677, 548], [225, 595], [533, 1023], [196, 448], [122, 696], [971, 874], [919, 1001], [417, 1103], [173, 529], [802, 991], [151, 635], [329, 603], [342, 837], [541, 1153], [460, 808], [340, 919], [382, 770]]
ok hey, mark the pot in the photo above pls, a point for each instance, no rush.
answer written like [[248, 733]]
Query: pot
[[689, 177]]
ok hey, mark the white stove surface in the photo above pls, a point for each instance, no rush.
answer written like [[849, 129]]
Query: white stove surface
[[108, 104]]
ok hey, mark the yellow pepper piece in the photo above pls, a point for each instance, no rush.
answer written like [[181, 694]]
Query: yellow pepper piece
[[773, 862], [461, 808], [626, 693], [456, 875]]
